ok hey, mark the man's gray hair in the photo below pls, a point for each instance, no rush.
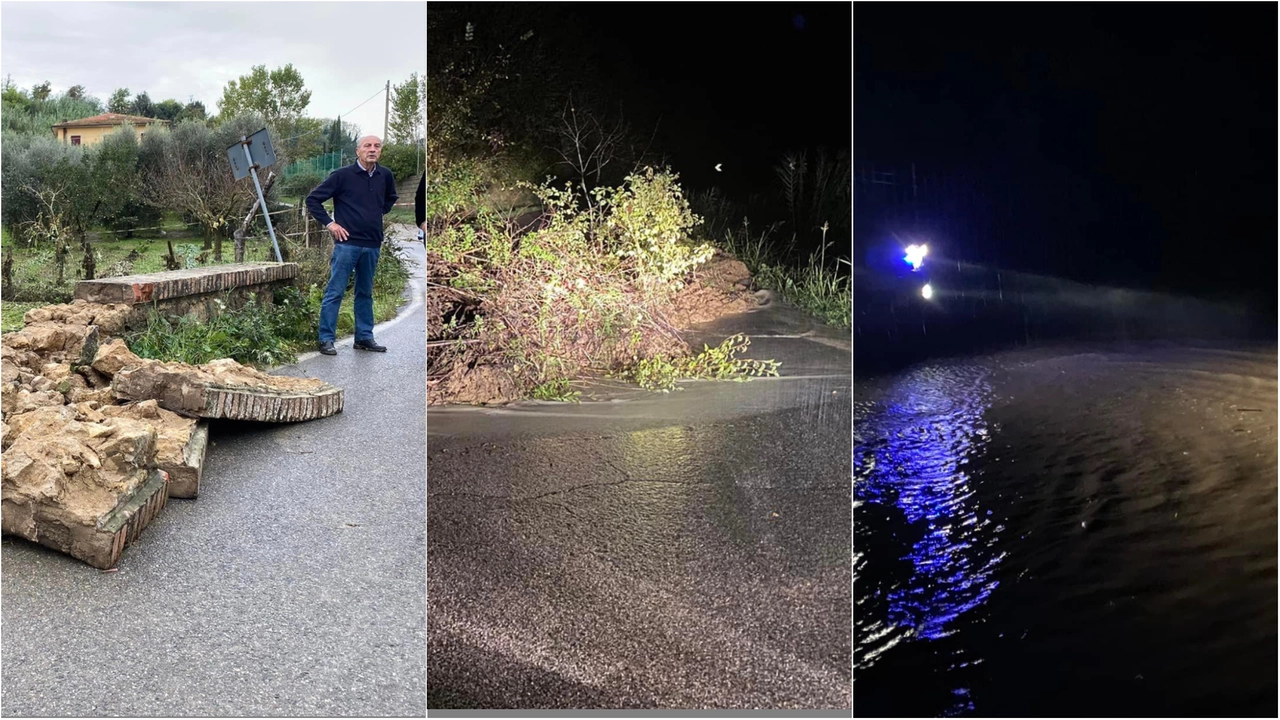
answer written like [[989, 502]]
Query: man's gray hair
[[364, 137]]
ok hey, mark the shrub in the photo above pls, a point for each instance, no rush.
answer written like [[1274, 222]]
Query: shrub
[[453, 190], [649, 220], [404, 161]]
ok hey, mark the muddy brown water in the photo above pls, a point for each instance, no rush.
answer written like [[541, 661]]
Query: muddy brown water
[[1077, 531]]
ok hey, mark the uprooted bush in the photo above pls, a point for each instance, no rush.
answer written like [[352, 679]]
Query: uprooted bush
[[591, 289]]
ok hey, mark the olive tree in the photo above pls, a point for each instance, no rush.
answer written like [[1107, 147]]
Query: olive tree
[[54, 193], [185, 169]]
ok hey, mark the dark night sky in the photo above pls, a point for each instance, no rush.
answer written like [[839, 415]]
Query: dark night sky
[[1164, 114], [738, 84]]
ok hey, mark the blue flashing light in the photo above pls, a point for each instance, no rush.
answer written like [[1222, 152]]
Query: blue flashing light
[[915, 256]]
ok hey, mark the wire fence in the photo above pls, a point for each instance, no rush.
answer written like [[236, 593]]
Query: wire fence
[[321, 165]]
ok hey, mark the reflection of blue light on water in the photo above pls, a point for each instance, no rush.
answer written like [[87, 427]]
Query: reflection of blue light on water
[[928, 427]]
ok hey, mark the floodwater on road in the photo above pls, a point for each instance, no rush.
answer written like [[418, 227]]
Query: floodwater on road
[[1079, 531], [689, 550]]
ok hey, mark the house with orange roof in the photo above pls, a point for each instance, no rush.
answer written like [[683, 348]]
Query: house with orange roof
[[90, 130]]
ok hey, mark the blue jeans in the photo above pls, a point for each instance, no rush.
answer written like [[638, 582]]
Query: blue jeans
[[348, 257]]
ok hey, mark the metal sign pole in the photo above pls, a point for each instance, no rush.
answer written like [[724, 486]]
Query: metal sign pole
[[266, 215]]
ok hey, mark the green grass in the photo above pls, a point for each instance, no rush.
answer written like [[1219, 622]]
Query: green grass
[[814, 287], [13, 312], [257, 334], [401, 215], [266, 335]]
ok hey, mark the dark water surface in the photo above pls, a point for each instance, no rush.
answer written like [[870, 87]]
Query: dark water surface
[[1088, 531], [641, 550]]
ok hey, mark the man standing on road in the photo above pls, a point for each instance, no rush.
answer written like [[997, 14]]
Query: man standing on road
[[362, 193]]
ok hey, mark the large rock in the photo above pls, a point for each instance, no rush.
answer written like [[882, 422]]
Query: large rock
[[29, 400], [114, 356], [110, 319], [47, 342], [8, 398], [45, 421], [83, 488], [180, 444]]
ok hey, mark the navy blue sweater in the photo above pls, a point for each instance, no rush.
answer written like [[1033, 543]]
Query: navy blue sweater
[[359, 202]]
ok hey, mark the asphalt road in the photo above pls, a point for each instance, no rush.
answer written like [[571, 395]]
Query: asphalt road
[[292, 586], [689, 550]]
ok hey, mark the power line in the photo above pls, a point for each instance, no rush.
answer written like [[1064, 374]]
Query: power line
[[376, 94]]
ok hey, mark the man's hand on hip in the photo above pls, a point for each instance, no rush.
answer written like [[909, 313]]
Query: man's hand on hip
[[339, 233]]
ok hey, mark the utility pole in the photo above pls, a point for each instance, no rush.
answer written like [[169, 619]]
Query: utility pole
[[386, 115]]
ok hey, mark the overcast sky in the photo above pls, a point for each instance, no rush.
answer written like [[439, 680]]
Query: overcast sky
[[346, 51]]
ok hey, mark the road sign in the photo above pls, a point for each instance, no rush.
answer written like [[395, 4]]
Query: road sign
[[246, 157], [261, 154]]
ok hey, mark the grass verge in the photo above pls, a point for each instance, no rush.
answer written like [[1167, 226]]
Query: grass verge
[[815, 287], [267, 335], [13, 312]]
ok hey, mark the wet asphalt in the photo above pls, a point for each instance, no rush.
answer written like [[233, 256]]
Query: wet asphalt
[[689, 550], [292, 586]]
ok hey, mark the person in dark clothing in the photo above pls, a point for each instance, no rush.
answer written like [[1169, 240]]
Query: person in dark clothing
[[362, 193], [420, 204]]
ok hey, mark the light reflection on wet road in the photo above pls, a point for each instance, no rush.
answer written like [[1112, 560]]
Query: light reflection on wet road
[[687, 550], [1072, 532]]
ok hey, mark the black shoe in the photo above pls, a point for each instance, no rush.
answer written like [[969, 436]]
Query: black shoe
[[326, 348], [369, 345]]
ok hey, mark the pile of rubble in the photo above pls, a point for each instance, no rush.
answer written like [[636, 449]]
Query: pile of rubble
[[95, 439]]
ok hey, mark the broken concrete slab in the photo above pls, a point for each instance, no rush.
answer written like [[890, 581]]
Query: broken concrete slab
[[228, 390], [99, 544], [188, 467]]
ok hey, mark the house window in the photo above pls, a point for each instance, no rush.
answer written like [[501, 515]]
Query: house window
[[75, 139]]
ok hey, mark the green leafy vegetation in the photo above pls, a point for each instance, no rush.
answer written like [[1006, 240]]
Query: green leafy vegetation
[[255, 334], [555, 391], [13, 312], [266, 334], [815, 287], [713, 363], [590, 289]]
